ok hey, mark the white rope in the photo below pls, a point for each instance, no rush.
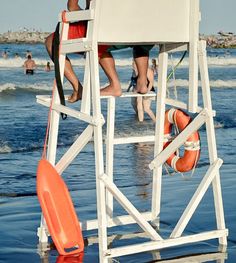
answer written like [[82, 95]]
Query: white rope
[[192, 146]]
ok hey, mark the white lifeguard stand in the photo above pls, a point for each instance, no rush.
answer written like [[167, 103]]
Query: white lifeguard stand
[[174, 25]]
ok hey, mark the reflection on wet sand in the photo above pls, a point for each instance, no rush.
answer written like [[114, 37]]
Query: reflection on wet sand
[[218, 257]]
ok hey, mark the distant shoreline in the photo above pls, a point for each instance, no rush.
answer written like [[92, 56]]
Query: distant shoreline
[[35, 37]]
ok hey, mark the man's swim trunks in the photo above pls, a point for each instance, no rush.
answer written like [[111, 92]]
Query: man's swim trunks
[[29, 72], [138, 50]]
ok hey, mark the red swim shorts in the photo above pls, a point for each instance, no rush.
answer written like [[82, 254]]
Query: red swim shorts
[[78, 30]]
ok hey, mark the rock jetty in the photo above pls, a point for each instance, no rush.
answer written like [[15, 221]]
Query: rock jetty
[[221, 40], [23, 37]]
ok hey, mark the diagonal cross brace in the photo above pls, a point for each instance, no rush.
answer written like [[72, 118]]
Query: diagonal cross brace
[[180, 139], [128, 206], [196, 199]]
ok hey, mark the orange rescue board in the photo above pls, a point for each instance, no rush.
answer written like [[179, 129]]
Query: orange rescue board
[[58, 210]]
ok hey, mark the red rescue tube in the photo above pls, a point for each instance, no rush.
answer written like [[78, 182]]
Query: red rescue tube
[[58, 210]]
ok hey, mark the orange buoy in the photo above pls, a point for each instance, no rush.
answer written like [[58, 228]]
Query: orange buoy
[[192, 146], [58, 210]]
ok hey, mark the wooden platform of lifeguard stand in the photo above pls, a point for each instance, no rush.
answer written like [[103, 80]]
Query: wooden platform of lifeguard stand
[[174, 25]]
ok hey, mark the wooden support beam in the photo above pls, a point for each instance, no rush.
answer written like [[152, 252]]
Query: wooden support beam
[[128, 206]]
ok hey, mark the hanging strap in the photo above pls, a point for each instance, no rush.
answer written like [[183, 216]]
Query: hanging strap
[[56, 45]]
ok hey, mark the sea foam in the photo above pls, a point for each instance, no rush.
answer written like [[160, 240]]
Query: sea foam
[[124, 62]]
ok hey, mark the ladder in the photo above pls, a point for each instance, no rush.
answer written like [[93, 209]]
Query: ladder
[[174, 26]]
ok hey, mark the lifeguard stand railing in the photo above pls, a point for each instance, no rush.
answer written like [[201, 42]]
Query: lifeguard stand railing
[[174, 25]]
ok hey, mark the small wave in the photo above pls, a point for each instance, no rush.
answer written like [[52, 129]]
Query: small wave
[[4, 148], [17, 194], [37, 86], [212, 61], [213, 83], [219, 125], [7, 86], [121, 62], [24, 87], [40, 62]]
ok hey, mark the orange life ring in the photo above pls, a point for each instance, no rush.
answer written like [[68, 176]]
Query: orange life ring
[[192, 146]]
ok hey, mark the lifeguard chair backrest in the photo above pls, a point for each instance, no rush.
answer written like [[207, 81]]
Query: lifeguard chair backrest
[[146, 21]]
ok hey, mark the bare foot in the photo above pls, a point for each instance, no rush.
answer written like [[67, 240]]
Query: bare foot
[[141, 87], [76, 95], [111, 91]]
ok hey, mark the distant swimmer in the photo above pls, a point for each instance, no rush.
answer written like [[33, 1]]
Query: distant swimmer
[[47, 67], [28, 53], [29, 66], [5, 55]]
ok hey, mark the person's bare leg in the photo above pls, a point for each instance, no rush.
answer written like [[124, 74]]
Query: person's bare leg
[[147, 108], [69, 73], [140, 111], [72, 78], [108, 65], [142, 66]]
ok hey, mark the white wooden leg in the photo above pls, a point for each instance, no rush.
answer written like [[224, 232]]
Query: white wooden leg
[[86, 101], [110, 150], [98, 145], [211, 139], [159, 130]]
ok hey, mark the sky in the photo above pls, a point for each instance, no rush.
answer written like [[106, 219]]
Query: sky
[[42, 15]]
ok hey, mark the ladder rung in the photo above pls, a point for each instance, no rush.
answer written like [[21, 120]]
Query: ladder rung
[[132, 94], [75, 16], [170, 102], [76, 45], [134, 139]]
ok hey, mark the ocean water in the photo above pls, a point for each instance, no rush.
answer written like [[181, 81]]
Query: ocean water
[[22, 131]]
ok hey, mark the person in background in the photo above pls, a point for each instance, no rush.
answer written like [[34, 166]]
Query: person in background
[[4, 54], [142, 104], [28, 53], [154, 67], [17, 55], [29, 66], [47, 67]]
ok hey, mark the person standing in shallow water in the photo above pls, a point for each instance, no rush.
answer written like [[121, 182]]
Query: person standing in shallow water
[[154, 67], [5, 55], [47, 67], [29, 66], [142, 104]]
